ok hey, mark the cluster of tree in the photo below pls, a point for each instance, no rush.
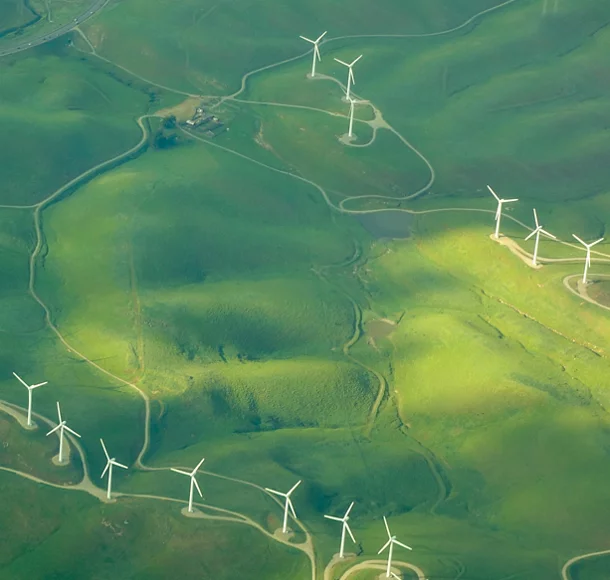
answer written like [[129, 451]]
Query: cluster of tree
[[167, 134]]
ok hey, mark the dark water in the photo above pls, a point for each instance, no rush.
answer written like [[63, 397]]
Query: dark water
[[387, 224]]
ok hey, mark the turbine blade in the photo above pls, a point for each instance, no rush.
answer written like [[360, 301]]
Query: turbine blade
[[351, 74], [31, 387], [291, 508], [317, 51], [321, 36], [353, 63], [385, 546], [596, 242], [509, 200], [308, 39], [579, 239], [118, 464], [547, 234], [334, 518], [387, 528], [498, 211], [402, 545], [536, 218], [198, 466], [493, 193], [105, 450], [275, 492], [54, 429], [71, 431], [197, 486], [58, 411], [349, 509], [21, 380], [349, 531], [533, 234], [105, 469], [339, 61], [294, 487], [180, 471]]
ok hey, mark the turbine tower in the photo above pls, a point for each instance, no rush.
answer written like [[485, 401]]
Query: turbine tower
[[345, 527], [110, 463], [391, 541], [316, 51], [537, 233], [30, 388], [194, 483], [499, 210], [61, 426], [287, 505], [352, 103], [588, 258], [350, 75]]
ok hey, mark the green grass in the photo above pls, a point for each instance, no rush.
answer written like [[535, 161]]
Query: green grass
[[130, 539], [59, 118], [188, 43], [590, 569], [14, 14], [197, 274], [22, 21]]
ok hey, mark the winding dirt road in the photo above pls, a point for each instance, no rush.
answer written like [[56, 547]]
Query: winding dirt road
[[378, 123]]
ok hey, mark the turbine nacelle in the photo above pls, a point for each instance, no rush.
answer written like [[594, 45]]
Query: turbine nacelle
[[588, 247], [29, 387], [194, 482], [287, 504], [316, 50], [499, 209]]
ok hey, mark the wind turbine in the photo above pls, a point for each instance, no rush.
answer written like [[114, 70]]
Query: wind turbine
[[391, 541], [499, 210], [30, 388], [316, 51], [350, 75], [288, 504], [537, 233], [588, 258], [110, 463], [345, 527], [61, 426], [194, 483], [352, 102]]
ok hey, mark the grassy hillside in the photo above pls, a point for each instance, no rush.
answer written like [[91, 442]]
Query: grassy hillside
[[14, 14], [219, 278], [59, 117]]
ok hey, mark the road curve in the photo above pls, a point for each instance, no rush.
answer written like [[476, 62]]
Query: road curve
[[565, 574], [52, 35], [381, 565]]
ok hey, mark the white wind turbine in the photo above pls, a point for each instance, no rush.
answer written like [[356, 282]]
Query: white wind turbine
[[61, 426], [352, 103], [316, 51], [194, 483], [288, 504], [499, 210], [345, 527], [350, 75], [588, 258], [110, 463], [537, 233], [30, 388], [391, 541]]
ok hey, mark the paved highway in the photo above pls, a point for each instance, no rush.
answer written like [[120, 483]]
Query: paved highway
[[53, 34]]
